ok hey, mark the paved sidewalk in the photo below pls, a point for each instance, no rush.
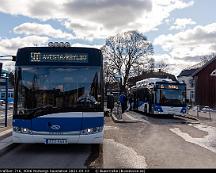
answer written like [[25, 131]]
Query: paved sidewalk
[[2, 122], [118, 117], [5, 132], [203, 115], [5, 136]]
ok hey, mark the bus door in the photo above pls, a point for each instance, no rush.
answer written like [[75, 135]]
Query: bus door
[[58, 127]]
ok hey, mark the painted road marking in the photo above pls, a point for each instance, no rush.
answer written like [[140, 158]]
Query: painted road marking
[[116, 154], [110, 128], [135, 119], [207, 142]]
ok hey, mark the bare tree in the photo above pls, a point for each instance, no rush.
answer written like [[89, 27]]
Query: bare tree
[[139, 68], [108, 73], [163, 66], [151, 64], [124, 51], [206, 58], [11, 78]]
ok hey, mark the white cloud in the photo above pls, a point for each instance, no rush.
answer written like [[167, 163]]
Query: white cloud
[[163, 57], [86, 45], [110, 13], [85, 29], [98, 18], [41, 30], [10, 46], [8, 65], [181, 23], [149, 20], [186, 48], [199, 41], [174, 65], [41, 9]]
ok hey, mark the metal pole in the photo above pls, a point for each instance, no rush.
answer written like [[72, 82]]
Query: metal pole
[[117, 109], [120, 84], [118, 78], [209, 113], [6, 100], [197, 110]]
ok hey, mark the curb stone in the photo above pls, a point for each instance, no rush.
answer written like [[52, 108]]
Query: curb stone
[[121, 120], [191, 117], [6, 145]]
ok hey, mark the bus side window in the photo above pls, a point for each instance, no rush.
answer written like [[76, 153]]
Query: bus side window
[[3, 95]]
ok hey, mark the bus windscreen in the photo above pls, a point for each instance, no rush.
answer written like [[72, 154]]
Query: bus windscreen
[[172, 95], [43, 90]]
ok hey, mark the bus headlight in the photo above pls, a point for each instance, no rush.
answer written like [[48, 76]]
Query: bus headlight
[[91, 130], [183, 110], [22, 130], [158, 108], [25, 130]]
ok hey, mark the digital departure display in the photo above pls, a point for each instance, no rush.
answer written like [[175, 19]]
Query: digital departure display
[[168, 86], [59, 57]]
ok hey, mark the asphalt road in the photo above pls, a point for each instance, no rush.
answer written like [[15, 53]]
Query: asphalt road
[[153, 142], [158, 142], [46, 156]]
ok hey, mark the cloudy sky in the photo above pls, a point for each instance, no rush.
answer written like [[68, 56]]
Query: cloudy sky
[[181, 30]]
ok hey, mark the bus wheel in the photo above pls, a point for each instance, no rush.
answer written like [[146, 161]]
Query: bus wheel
[[95, 156], [171, 115], [96, 148]]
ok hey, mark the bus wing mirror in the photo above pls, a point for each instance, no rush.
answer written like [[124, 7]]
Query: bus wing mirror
[[110, 102], [13, 58]]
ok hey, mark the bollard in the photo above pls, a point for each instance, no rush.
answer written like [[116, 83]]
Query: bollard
[[210, 114], [198, 111], [118, 112]]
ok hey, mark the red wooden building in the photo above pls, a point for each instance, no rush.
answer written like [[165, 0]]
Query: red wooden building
[[205, 84]]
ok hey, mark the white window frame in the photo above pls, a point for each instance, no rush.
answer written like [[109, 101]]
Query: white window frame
[[213, 73]]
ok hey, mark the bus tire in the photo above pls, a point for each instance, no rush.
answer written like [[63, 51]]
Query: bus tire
[[97, 148], [171, 115]]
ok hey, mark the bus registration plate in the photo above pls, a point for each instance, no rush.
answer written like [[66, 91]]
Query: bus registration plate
[[56, 141]]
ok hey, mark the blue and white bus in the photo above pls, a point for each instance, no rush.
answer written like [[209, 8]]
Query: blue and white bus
[[159, 97], [58, 96]]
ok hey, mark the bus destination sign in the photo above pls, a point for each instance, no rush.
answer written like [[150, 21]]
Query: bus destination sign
[[169, 86], [58, 57]]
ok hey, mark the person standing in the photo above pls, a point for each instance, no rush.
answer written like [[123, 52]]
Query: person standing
[[130, 102], [123, 101]]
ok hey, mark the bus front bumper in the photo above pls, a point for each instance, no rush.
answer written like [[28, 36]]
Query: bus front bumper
[[96, 138], [169, 113]]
